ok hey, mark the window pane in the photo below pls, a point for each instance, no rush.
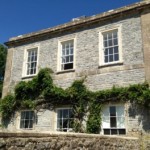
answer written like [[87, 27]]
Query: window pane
[[67, 59], [65, 123], [71, 58], [67, 51], [31, 124], [65, 113], [106, 51], [120, 122], [59, 114], [113, 122], [105, 118], [116, 57], [115, 41], [68, 66], [111, 58], [107, 131], [59, 124], [115, 34], [110, 50], [106, 59], [71, 51], [122, 131], [106, 122], [109, 35], [67, 45], [120, 117], [27, 115], [116, 49], [110, 43], [112, 111], [120, 111], [114, 131]]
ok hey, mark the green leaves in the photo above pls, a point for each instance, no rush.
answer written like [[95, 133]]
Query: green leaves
[[3, 53], [7, 106], [83, 101]]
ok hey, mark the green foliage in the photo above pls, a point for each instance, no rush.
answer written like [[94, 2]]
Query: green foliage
[[94, 119], [28, 104], [79, 97], [3, 53], [1, 87], [39, 85], [7, 106], [83, 101]]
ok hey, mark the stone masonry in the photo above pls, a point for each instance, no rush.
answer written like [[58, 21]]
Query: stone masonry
[[87, 57], [28, 141]]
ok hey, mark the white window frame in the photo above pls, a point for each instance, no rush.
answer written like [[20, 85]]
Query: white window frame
[[56, 126], [107, 126], [24, 72], [33, 120], [101, 46], [59, 62]]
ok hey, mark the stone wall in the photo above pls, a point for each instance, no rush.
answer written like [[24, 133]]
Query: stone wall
[[35, 141], [136, 121], [145, 22], [87, 59]]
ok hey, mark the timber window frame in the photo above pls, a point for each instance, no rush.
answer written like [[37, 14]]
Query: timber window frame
[[113, 120], [110, 46], [64, 119], [27, 119], [66, 55], [30, 64]]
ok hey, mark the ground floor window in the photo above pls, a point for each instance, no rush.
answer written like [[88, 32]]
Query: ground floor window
[[27, 119], [64, 119], [113, 120]]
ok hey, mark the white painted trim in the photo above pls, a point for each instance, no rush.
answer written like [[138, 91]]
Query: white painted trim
[[60, 50], [24, 70], [56, 112], [101, 47], [125, 115], [19, 119]]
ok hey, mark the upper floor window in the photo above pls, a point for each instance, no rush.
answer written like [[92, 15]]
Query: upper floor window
[[27, 119], [67, 55], [113, 120], [110, 49], [32, 61], [65, 119]]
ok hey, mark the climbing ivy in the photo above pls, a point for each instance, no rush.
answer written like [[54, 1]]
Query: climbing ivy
[[87, 105]]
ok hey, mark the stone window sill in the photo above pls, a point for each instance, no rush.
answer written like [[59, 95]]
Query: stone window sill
[[111, 64], [65, 71], [28, 77]]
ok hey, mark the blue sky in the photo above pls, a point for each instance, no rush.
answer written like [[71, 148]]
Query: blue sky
[[19, 17]]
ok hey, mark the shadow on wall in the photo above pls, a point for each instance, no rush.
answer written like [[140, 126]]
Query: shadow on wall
[[141, 117]]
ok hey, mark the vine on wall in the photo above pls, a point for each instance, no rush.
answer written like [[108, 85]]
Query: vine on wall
[[85, 103]]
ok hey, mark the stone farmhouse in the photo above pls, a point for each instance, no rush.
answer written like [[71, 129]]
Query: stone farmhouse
[[110, 49]]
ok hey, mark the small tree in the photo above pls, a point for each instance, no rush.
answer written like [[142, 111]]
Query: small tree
[[3, 53]]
